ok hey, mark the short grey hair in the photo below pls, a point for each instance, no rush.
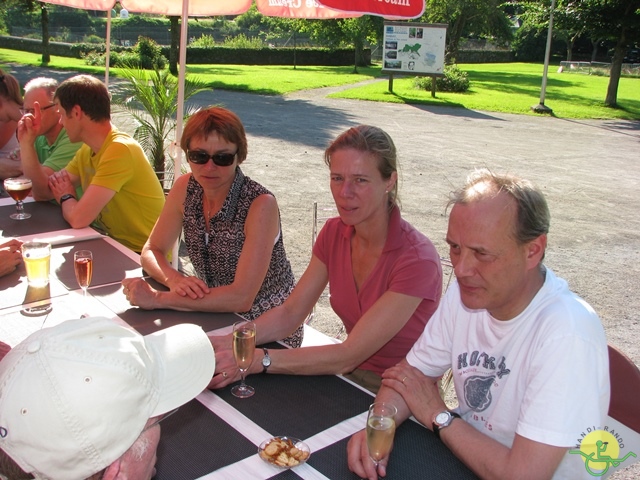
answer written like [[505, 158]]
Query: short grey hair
[[532, 212], [49, 84]]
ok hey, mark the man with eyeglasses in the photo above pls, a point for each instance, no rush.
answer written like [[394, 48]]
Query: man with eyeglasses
[[121, 194], [43, 137], [84, 399]]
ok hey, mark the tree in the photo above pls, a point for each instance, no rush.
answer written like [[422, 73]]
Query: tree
[[347, 31], [175, 42], [466, 18], [46, 56], [617, 20]]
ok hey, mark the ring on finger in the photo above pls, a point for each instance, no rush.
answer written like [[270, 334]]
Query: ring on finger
[[224, 374], [405, 377]]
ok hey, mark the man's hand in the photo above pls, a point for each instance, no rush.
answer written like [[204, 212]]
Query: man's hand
[[29, 126], [10, 256], [359, 460], [226, 367], [60, 184], [419, 392], [140, 293]]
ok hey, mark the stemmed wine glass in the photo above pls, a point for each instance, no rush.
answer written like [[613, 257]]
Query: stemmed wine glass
[[83, 266], [244, 344], [18, 189], [381, 428]]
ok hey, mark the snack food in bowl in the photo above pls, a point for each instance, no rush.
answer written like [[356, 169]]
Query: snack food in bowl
[[284, 452]]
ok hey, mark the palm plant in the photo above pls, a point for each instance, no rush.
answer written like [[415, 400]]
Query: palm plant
[[151, 98]]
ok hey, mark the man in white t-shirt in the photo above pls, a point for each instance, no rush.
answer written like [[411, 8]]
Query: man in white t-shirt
[[529, 357]]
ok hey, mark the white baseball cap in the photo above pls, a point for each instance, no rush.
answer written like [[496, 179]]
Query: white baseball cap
[[75, 397]]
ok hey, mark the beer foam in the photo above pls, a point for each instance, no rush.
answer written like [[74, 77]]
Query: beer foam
[[17, 186]]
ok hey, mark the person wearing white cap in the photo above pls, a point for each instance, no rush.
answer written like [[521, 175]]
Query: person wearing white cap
[[83, 399]]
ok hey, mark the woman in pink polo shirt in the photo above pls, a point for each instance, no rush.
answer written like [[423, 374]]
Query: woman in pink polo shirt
[[384, 275]]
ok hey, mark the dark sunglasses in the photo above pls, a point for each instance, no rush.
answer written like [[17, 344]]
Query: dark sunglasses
[[221, 159], [33, 110]]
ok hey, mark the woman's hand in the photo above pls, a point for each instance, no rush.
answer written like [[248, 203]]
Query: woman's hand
[[185, 286], [10, 256], [140, 293]]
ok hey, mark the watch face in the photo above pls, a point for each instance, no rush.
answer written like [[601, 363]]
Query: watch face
[[266, 361], [442, 418]]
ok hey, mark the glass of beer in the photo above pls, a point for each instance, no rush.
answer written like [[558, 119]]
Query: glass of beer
[[37, 262], [244, 345], [18, 189], [83, 265], [381, 428]]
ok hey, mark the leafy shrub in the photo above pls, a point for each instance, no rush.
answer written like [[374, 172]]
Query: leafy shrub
[[93, 39], [149, 54], [454, 80], [242, 41], [205, 41], [96, 59]]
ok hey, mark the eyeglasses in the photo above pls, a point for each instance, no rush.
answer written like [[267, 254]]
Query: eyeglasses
[[32, 110], [159, 419], [221, 159]]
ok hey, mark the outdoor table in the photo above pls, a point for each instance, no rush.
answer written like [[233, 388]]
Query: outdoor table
[[216, 436]]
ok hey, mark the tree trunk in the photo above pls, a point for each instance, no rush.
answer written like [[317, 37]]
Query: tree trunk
[[594, 52], [44, 20], [453, 39], [175, 44], [616, 69]]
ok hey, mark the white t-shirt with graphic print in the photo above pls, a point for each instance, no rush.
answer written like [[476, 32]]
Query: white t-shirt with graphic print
[[544, 374]]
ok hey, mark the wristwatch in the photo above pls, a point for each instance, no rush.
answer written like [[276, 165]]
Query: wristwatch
[[266, 361], [65, 197], [443, 420]]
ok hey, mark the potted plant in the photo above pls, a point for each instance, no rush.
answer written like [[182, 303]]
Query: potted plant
[[151, 98]]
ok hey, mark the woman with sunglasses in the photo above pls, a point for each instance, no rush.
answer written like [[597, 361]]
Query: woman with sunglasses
[[10, 114], [384, 276], [231, 230]]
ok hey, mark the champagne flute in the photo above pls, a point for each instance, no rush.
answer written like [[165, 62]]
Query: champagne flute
[[381, 427], [244, 345], [83, 266], [18, 189]]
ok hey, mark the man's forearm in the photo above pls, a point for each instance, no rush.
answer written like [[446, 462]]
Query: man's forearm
[[488, 458], [33, 170]]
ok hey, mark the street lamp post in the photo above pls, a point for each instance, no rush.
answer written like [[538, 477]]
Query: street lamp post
[[541, 107]]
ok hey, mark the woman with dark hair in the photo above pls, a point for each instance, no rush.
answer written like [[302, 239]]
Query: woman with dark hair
[[384, 276], [231, 230]]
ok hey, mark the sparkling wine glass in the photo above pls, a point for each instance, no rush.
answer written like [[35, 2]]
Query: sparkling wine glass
[[83, 266], [244, 345], [18, 189], [381, 428]]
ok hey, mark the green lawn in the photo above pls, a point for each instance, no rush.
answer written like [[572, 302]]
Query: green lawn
[[514, 88], [504, 87]]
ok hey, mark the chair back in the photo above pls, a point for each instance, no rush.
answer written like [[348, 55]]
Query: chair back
[[624, 375]]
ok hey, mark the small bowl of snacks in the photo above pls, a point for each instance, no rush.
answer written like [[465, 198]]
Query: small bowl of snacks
[[284, 452]]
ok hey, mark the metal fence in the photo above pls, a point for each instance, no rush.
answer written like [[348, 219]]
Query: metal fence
[[599, 68]]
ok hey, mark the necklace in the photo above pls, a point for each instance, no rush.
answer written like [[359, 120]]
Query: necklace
[[206, 225]]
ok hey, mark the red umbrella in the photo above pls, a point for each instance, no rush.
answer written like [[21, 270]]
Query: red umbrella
[[384, 8]]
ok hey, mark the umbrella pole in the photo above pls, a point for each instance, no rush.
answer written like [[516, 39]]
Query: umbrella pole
[[108, 50], [182, 65]]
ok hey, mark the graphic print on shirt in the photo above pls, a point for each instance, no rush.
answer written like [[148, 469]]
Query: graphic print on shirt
[[477, 388]]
